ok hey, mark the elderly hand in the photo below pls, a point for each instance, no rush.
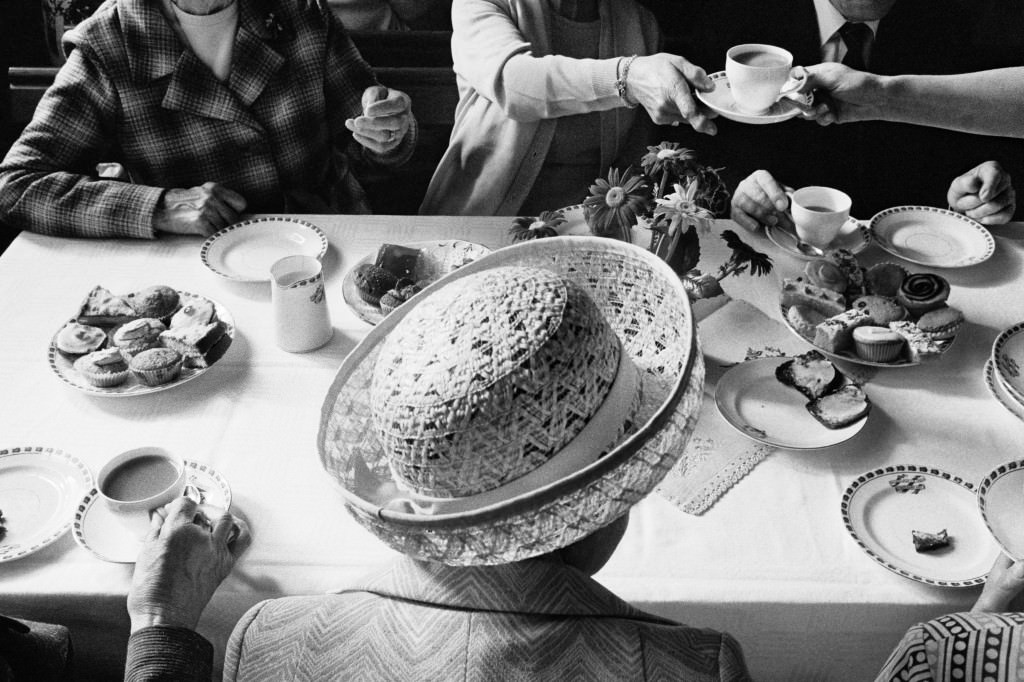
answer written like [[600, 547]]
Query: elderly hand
[[760, 200], [387, 117], [1004, 582], [984, 193], [842, 94], [200, 210], [181, 564], [662, 84]]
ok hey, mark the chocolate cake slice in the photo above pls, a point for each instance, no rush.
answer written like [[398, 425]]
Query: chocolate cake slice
[[840, 408], [810, 373]]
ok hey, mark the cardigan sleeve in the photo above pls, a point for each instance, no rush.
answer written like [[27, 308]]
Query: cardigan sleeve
[[47, 180], [168, 654], [494, 56]]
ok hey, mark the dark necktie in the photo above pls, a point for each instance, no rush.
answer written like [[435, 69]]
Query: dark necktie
[[858, 40]]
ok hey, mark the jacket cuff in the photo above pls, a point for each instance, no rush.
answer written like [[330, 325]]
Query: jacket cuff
[[605, 76], [162, 652]]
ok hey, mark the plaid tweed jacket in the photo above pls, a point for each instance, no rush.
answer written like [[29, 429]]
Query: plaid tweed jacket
[[533, 620], [131, 92]]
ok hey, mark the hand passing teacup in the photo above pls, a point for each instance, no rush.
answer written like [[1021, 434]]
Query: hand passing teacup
[[386, 119]]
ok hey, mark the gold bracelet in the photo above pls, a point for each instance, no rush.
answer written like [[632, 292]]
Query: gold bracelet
[[621, 74]]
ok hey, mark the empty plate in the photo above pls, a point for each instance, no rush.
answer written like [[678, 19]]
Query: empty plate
[[881, 508], [721, 102], [764, 409], [999, 498], [245, 251], [932, 236], [998, 390], [1008, 359]]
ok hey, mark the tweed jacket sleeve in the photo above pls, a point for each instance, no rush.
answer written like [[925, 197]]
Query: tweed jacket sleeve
[[168, 654], [48, 182]]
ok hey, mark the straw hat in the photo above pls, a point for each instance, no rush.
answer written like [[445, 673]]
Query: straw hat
[[517, 405]]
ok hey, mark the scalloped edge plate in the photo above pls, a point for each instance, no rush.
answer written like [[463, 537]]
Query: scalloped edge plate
[[111, 535], [65, 370], [854, 236], [879, 518], [371, 314], [1008, 360], [997, 388], [999, 499], [934, 237], [53, 470], [244, 252], [721, 102]]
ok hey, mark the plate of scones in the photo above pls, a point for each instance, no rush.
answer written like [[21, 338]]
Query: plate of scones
[[881, 316], [141, 342]]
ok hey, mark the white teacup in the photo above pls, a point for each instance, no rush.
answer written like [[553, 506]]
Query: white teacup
[[138, 481], [302, 321], [819, 213], [756, 74]]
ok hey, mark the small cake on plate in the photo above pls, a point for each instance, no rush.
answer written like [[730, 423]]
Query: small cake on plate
[[403, 291], [920, 344], [157, 301], [884, 279], [101, 307], [157, 366], [194, 310], [929, 542], [836, 333], [922, 292], [75, 340], [800, 292], [804, 320], [877, 344], [810, 373], [372, 282], [104, 368], [942, 323], [840, 408], [826, 274], [880, 309], [138, 335], [399, 260], [194, 341]]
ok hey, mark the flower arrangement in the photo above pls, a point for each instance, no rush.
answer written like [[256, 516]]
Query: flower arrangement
[[73, 11], [670, 223]]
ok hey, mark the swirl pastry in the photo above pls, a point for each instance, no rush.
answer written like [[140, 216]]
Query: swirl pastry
[[826, 275], [922, 292]]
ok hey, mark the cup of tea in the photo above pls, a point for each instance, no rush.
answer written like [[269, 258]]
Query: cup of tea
[[302, 321], [756, 74], [141, 480], [819, 213]]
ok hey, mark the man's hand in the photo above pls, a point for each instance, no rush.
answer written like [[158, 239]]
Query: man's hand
[[760, 200], [1004, 582], [984, 193], [200, 210], [181, 564], [842, 95], [663, 83], [386, 119]]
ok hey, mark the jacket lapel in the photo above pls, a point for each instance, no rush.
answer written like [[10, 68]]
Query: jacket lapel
[[254, 62]]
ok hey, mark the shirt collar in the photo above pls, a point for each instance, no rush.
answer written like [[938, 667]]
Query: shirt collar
[[831, 20]]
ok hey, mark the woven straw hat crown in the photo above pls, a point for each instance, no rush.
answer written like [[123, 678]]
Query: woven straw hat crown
[[489, 378]]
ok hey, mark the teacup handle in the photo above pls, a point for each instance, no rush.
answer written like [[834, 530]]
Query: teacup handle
[[795, 83]]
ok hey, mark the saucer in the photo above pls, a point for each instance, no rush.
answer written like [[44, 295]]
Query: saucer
[[932, 236], [721, 102], [245, 251], [998, 390], [118, 536], [1008, 361], [853, 236], [999, 500]]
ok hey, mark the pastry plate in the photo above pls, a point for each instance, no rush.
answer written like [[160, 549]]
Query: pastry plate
[[903, 360], [854, 236], [437, 259], [117, 536], [65, 369], [721, 102], [39, 488], [999, 496], [764, 409], [932, 236], [1008, 359], [881, 508], [245, 251], [998, 390]]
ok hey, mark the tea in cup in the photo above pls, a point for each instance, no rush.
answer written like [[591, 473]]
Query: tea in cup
[[819, 213], [756, 75], [141, 480]]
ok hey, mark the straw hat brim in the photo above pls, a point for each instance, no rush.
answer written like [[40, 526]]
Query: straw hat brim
[[647, 307]]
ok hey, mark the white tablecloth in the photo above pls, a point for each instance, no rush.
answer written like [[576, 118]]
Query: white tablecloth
[[770, 562]]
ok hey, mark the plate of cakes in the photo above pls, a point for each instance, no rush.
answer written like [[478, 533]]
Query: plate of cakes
[[385, 280], [881, 316], [141, 342]]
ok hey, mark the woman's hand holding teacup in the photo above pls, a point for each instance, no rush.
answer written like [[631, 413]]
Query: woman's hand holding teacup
[[386, 119]]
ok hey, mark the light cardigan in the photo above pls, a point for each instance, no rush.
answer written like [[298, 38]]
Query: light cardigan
[[510, 91]]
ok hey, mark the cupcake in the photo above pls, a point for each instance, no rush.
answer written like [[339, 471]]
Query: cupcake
[[880, 309], [103, 368], [157, 301], [942, 323], [884, 279], [877, 344], [403, 291], [825, 274], [922, 292], [75, 340], [156, 366], [372, 282], [138, 335]]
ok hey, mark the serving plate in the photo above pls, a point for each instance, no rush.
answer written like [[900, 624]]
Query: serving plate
[[764, 409], [436, 259], [931, 236], [999, 499], [118, 536], [39, 489], [65, 370], [880, 508], [854, 236], [1008, 360], [721, 102], [245, 251]]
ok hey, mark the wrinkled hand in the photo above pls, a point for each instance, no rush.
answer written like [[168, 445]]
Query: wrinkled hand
[[663, 83], [386, 119], [1004, 582], [842, 94], [984, 193], [200, 210], [181, 564], [760, 200]]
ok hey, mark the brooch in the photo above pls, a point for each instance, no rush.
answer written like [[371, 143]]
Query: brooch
[[273, 25]]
